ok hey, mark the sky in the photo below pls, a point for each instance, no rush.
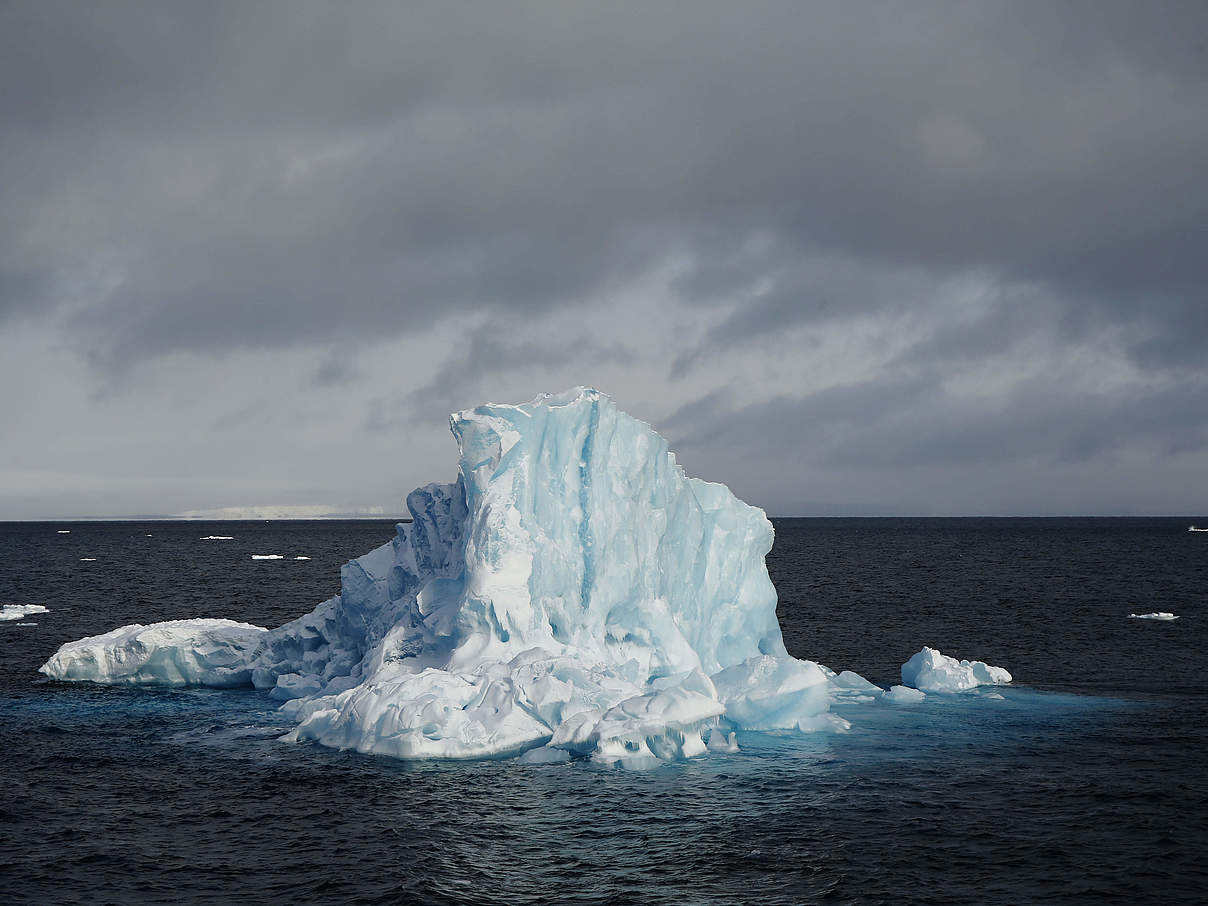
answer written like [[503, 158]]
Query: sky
[[851, 258]]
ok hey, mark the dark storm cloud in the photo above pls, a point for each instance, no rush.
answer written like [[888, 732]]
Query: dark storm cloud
[[256, 175], [891, 429]]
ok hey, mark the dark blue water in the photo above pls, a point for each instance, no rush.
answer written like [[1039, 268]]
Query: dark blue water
[[1089, 782]]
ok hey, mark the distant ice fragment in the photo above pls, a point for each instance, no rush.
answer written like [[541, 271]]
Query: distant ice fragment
[[1157, 615], [64, 531], [267, 557], [27, 624], [176, 653], [216, 538], [903, 695], [88, 559], [934, 672], [17, 611], [301, 558]]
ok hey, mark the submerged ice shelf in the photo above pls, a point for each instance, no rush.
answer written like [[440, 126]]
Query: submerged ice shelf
[[571, 593]]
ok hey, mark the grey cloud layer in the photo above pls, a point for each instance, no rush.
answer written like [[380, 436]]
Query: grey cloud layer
[[265, 174], [234, 176]]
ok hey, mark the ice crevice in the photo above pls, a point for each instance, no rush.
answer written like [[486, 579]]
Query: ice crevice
[[571, 594]]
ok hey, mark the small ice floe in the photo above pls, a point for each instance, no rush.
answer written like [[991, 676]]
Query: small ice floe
[[720, 742], [27, 624], [1156, 615], [932, 671], [218, 538], [267, 557], [64, 531], [88, 559], [301, 558], [903, 695], [1192, 528], [17, 611]]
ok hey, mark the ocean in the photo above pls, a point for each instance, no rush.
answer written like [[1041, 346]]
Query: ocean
[[1087, 782]]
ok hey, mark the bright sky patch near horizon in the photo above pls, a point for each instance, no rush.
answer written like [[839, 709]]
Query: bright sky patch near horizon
[[850, 258]]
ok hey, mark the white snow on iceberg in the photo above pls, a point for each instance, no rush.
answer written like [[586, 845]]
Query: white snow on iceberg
[[571, 593], [931, 671], [1157, 615], [17, 611]]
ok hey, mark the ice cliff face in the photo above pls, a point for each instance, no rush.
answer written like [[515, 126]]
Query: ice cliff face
[[571, 591]]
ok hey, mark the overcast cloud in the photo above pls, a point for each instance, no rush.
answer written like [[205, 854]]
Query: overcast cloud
[[851, 257]]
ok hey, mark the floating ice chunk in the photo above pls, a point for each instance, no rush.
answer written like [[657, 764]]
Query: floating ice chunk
[[216, 538], [176, 653], [27, 624], [17, 611], [88, 559], [720, 742], [267, 557], [301, 558], [1157, 615], [934, 672], [64, 531], [903, 695]]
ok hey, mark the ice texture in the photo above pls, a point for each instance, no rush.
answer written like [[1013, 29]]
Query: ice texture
[[931, 671], [903, 695], [17, 611], [176, 653], [1157, 615], [571, 594]]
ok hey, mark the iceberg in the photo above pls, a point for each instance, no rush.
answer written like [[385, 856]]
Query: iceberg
[[571, 594], [931, 671], [18, 611], [1157, 615]]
